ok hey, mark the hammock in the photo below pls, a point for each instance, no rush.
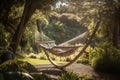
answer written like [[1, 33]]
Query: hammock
[[60, 50]]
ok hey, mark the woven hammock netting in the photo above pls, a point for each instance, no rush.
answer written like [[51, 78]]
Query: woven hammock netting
[[42, 38]]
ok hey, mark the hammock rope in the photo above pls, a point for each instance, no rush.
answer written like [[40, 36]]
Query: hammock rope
[[62, 51], [47, 50]]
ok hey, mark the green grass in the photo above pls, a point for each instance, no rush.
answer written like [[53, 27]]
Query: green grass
[[36, 61]]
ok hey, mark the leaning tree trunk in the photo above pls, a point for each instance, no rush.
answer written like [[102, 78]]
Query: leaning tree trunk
[[116, 35], [27, 13], [116, 27]]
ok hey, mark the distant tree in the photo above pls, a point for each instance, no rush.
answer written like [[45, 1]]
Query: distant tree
[[110, 27], [89, 10], [64, 26]]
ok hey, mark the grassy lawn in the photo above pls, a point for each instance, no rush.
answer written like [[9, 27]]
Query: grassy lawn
[[37, 61]]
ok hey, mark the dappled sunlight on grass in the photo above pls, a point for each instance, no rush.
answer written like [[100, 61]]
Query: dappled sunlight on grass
[[37, 61]]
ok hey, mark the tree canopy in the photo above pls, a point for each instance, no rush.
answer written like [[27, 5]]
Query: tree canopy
[[17, 15]]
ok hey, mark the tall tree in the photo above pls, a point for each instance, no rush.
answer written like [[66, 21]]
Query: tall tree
[[8, 17], [29, 8], [108, 10], [16, 26], [27, 13]]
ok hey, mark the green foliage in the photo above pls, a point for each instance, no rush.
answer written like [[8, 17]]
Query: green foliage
[[31, 29], [55, 30], [84, 59], [69, 76], [68, 59], [53, 58], [63, 27], [41, 76], [14, 65], [32, 56], [1, 76], [105, 57], [3, 39], [17, 76], [85, 77], [65, 76], [43, 57]]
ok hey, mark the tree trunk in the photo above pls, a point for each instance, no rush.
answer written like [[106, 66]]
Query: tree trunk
[[27, 13], [116, 33]]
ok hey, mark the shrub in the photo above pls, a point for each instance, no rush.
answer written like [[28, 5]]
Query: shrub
[[43, 57], [32, 56], [69, 76], [53, 58], [41, 76], [68, 59], [1, 76], [13, 65], [105, 58], [16, 65], [17, 76], [16, 70], [83, 59]]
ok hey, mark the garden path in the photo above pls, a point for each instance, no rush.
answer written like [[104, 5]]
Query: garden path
[[79, 69]]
